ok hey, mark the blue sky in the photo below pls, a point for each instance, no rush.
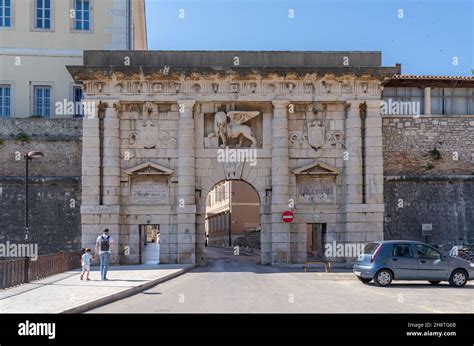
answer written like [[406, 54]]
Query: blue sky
[[427, 40]]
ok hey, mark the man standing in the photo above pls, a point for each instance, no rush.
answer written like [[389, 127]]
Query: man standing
[[103, 246]]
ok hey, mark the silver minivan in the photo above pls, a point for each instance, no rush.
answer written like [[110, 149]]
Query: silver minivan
[[385, 261]]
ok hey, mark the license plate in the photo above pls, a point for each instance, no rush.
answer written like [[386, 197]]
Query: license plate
[[357, 273]]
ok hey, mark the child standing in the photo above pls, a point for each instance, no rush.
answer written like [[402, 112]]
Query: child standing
[[86, 264]]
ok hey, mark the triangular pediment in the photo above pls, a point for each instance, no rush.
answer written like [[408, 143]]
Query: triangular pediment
[[149, 168], [316, 168]]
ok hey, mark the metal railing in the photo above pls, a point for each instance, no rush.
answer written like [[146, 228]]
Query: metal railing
[[18, 271]]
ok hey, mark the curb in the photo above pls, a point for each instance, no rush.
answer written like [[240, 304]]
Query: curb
[[347, 266], [240, 250], [124, 294]]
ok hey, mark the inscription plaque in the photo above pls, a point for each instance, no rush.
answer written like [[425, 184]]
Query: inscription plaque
[[317, 190], [149, 191]]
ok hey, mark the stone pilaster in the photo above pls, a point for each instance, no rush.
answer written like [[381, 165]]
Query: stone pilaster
[[353, 180], [374, 172], [363, 216], [280, 237], [91, 157], [186, 208], [353, 154], [90, 177], [373, 153], [110, 211], [111, 158]]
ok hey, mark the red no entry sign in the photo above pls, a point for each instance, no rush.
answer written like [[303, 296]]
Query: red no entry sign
[[287, 216]]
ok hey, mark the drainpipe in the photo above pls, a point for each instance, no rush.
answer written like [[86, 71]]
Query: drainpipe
[[129, 24]]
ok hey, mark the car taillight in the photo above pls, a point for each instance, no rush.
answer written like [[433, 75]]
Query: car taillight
[[375, 253]]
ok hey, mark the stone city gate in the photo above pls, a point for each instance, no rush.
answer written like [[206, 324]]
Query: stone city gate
[[151, 146]]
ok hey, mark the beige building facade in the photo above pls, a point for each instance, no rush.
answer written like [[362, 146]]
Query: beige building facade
[[151, 148], [39, 38], [233, 207]]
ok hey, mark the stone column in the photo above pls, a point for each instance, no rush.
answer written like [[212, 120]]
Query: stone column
[[427, 101], [373, 153], [186, 208], [280, 237], [90, 177], [111, 158], [364, 218], [353, 154], [354, 212], [374, 172], [91, 157], [110, 211]]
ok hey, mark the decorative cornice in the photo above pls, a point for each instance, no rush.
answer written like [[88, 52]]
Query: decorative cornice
[[323, 87]]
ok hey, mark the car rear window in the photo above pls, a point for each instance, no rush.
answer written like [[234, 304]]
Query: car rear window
[[370, 248]]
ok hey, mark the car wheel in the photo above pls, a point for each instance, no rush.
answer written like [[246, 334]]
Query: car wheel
[[435, 282], [364, 280], [383, 278], [458, 278]]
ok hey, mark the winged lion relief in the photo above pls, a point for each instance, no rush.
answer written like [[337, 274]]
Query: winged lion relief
[[230, 125]]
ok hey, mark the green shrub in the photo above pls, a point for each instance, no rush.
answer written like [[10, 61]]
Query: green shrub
[[22, 137], [429, 167], [435, 154]]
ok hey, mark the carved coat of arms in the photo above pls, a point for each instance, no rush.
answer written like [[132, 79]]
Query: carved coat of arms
[[149, 134], [316, 133]]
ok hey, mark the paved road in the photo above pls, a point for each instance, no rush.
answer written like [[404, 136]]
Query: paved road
[[237, 284]]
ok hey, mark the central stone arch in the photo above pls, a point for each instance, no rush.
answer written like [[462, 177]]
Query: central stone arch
[[203, 192]]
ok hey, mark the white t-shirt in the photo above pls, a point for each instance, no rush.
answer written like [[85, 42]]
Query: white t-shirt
[[99, 240], [86, 259]]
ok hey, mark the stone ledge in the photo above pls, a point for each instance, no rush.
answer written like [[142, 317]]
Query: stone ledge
[[40, 180], [429, 177], [365, 208]]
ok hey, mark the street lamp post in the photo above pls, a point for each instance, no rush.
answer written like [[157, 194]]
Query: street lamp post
[[28, 157], [231, 191]]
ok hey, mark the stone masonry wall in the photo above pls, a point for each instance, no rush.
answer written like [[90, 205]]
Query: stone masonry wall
[[429, 178], [55, 182], [411, 145], [448, 205]]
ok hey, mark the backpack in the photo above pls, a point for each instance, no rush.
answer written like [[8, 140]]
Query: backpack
[[104, 243]]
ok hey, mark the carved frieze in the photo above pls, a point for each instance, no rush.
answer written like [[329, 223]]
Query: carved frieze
[[158, 87], [234, 87], [317, 86]]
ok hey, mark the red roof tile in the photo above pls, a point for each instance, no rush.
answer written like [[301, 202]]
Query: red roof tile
[[418, 77]]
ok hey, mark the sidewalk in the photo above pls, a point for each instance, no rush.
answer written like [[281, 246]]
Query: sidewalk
[[66, 293]]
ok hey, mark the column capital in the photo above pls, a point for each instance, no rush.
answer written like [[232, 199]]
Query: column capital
[[373, 103], [187, 103], [278, 104], [352, 108], [354, 103], [186, 107], [109, 104]]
